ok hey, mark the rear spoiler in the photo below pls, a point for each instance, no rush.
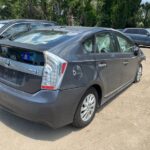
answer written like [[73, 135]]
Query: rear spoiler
[[38, 48]]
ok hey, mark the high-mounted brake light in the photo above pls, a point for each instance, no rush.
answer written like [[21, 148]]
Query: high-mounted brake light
[[54, 71]]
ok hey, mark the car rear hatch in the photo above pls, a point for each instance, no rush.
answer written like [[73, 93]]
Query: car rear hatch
[[21, 68]]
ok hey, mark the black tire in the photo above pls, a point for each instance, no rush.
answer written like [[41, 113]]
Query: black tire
[[138, 79], [78, 122]]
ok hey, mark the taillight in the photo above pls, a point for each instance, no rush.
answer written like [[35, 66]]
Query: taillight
[[54, 71]]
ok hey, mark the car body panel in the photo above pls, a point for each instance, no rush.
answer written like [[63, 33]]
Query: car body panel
[[84, 70], [53, 108]]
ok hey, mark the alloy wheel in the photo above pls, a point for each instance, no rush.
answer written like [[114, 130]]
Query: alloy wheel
[[88, 107]]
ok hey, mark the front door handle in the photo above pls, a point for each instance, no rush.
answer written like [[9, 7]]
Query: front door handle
[[102, 65], [126, 62]]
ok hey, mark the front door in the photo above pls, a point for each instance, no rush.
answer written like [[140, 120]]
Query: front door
[[129, 60]]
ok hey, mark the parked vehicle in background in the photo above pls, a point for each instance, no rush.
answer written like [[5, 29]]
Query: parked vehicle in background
[[121, 30], [9, 28], [62, 75], [140, 36]]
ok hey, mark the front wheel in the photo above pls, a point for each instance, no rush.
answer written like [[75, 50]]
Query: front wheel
[[139, 74], [86, 109]]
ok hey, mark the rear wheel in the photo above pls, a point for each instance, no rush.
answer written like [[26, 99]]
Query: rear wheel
[[86, 109], [139, 74]]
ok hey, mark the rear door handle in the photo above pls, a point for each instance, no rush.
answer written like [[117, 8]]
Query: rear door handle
[[126, 62], [102, 65]]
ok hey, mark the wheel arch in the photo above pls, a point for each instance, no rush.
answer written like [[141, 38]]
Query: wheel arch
[[98, 89]]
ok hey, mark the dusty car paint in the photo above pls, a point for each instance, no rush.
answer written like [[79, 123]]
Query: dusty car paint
[[110, 73]]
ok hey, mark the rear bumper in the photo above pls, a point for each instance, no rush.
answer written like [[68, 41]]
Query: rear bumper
[[55, 108]]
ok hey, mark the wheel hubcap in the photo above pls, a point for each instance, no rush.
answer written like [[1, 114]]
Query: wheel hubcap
[[88, 107], [139, 74]]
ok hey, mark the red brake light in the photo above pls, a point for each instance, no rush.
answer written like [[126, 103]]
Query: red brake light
[[63, 67], [53, 72]]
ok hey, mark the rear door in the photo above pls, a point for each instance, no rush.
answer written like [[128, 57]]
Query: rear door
[[109, 62], [21, 68], [129, 61]]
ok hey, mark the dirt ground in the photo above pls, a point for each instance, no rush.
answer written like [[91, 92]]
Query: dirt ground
[[124, 124]]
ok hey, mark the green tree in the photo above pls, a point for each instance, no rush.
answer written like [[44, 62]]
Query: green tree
[[146, 14], [133, 7], [107, 13], [119, 14], [105, 19], [5, 9]]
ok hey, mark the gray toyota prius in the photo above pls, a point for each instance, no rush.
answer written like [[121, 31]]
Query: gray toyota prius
[[62, 75]]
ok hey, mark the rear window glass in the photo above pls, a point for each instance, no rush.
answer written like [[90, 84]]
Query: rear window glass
[[148, 30], [43, 37], [22, 55]]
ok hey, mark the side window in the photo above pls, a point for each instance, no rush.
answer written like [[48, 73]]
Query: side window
[[47, 25], [132, 31], [128, 31], [135, 31], [105, 43], [125, 45], [88, 46], [16, 29], [36, 26], [143, 32]]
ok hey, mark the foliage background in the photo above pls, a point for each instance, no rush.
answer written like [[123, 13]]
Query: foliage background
[[108, 13]]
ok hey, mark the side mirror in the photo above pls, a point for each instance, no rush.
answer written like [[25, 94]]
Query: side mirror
[[136, 50]]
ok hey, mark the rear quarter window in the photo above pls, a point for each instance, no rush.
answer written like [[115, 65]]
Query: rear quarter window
[[88, 46]]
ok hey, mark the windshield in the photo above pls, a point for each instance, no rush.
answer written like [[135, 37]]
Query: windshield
[[1, 25], [148, 30], [45, 37]]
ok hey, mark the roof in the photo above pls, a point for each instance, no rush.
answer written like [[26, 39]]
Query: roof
[[24, 20], [74, 34], [77, 29], [134, 28], [5, 21]]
